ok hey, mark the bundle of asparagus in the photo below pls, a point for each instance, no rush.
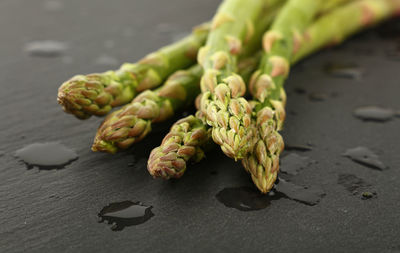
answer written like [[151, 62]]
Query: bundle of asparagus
[[272, 34]]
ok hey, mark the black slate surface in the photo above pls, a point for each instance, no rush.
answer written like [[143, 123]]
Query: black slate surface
[[56, 210]]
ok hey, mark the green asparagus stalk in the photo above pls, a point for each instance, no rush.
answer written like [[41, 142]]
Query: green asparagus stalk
[[332, 4], [133, 122], [189, 138], [348, 20], [310, 45], [222, 103], [96, 94], [263, 162], [184, 143], [266, 86]]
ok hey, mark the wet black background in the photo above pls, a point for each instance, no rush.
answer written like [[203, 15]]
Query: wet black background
[[49, 211]]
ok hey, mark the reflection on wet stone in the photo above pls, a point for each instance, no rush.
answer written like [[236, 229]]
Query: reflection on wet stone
[[125, 214], [46, 156], [365, 157]]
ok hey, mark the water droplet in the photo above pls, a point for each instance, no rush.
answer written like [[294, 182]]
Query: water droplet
[[293, 163], [45, 48], [125, 214], [245, 198], [374, 113], [105, 60], [305, 195], [317, 96], [297, 147], [347, 70], [356, 186], [46, 156], [368, 195], [53, 5], [300, 90], [365, 157]]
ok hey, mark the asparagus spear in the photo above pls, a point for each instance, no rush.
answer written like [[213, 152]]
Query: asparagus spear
[[96, 94], [332, 4], [349, 20], [222, 103], [132, 123], [188, 138], [185, 142], [321, 26], [266, 86], [263, 162]]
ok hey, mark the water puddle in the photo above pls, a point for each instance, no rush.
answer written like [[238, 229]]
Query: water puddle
[[305, 195], [356, 186], [45, 48], [374, 113], [365, 156], [246, 198], [293, 163], [46, 156], [125, 214], [250, 199]]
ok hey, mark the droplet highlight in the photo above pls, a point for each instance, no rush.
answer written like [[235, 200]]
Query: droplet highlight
[[344, 70], [46, 48], [374, 113]]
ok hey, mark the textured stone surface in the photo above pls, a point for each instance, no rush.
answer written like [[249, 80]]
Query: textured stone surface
[[56, 211]]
